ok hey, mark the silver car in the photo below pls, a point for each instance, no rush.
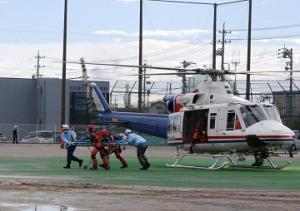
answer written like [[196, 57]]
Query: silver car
[[2, 137], [39, 137]]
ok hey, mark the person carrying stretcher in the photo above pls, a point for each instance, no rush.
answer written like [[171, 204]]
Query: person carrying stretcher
[[96, 141], [113, 147]]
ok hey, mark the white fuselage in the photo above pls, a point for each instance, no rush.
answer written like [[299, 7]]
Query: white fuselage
[[227, 127]]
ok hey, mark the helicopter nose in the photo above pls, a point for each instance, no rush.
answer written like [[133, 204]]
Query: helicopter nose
[[269, 127], [263, 133]]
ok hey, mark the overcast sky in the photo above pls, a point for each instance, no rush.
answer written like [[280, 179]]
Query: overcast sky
[[107, 30]]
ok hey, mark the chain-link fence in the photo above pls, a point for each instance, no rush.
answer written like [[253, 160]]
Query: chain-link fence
[[33, 133]]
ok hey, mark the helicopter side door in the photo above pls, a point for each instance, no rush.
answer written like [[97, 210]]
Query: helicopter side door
[[175, 129]]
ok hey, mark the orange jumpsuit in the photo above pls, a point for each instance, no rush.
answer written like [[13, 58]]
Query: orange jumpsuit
[[117, 150], [98, 147], [196, 138]]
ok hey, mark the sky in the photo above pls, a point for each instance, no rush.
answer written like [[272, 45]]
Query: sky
[[107, 31]]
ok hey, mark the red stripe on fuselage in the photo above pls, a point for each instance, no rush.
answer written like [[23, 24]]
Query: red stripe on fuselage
[[287, 136]]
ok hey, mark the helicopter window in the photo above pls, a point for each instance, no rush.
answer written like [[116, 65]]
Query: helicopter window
[[230, 120], [212, 122], [272, 112], [252, 114]]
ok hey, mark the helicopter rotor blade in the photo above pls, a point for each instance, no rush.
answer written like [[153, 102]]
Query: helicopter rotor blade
[[138, 66], [185, 71]]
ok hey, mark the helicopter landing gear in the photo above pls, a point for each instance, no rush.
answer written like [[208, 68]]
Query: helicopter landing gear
[[261, 155], [219, 161]]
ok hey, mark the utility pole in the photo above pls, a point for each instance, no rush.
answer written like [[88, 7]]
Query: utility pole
[[214, 41], [140, 77], [38, 66], [249, 50], [144, 88], [223, 42], [288, 54], [64, 67], [37, 76]]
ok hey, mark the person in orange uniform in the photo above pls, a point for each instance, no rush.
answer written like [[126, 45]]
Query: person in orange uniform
[[196, 137], [98, 147], [113, 147]]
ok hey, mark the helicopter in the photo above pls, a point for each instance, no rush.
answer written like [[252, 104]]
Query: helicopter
[[233, 127]]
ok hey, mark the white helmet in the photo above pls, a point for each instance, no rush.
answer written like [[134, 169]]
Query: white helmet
[[65, 127], [127, 131]]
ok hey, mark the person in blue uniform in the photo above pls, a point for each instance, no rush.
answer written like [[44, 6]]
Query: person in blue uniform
[[141, 144], [69, 136]]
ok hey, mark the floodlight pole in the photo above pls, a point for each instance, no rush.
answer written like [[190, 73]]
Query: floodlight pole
[[140, 77], [63, 87], [248, 83]]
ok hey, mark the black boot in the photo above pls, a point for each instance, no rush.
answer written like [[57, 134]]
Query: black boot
[[67, 166], [105, 167], [80, 163], [124, 166]]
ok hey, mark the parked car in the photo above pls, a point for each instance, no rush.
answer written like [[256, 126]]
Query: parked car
[[2, 137], [41, 137], [297, 141], [296, 145]]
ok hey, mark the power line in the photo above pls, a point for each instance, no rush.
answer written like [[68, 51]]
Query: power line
[[196, 2], [182, 2], [270, 28], [231, 2], [268, 38]]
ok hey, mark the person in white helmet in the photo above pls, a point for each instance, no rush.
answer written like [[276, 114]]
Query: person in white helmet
[[141, 144], [69, 137]]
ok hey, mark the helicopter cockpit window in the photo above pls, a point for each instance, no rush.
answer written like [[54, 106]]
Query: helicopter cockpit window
[[230, 120], [272, 112], [212, 122], [252, 114]]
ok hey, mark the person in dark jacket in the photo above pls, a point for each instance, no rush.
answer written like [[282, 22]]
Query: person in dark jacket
[[15, 135]]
